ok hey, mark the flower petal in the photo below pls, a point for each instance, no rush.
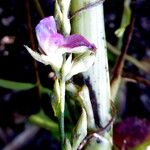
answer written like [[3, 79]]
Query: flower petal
[[77, 40], [54, 60], [48, 38], [51, 43], [46, 26]]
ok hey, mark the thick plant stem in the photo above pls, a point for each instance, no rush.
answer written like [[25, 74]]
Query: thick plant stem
[[89, 22], [62, 108]]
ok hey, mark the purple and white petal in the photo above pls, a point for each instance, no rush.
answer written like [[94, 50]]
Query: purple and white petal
[[47, 35], [52, 43], [46, 26], [77, 40]]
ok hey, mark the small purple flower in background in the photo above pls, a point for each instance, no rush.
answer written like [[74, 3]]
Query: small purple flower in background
[[131, 132], [53, 45]]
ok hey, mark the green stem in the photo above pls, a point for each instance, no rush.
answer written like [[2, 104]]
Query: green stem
[[125, 20], [39, 8], [62, 108]]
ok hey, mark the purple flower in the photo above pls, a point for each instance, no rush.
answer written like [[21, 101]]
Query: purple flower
[[53, 45], [131, 132], [52, 42]]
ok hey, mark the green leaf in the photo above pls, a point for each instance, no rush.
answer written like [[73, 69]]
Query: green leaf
[[126, 17], [115, 84], [143, 146], [45, 90], [42, 120], [119, 32], [12, 85]]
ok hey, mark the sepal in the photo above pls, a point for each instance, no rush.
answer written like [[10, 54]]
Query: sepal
[[67, 66], [81, 63], [84, 99], [80, 131], [56, 103], [67, 144], [54, 60]]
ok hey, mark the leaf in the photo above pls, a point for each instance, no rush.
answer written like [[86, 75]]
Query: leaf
[[119, 32], [125, 19], [80, 131], [115, 84], [143, 64], [146, 65], [42, 120], [45, 90], [15, 85], [143, 146]]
